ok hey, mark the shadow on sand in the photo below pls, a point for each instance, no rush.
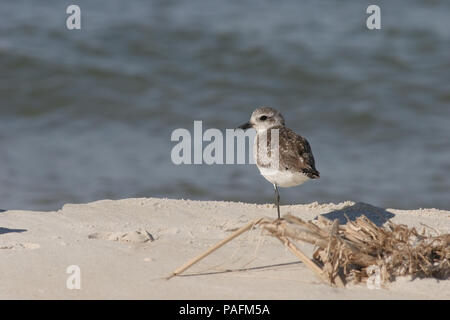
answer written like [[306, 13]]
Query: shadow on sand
[[7, 230], [377, 215], [239, 269]]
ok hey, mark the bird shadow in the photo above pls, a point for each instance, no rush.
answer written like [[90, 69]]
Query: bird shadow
[[377, 215], [7, 230]]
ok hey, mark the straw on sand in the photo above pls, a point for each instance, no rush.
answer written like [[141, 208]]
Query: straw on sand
[[350, 252]]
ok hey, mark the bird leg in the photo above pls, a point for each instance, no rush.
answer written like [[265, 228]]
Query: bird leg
[[277, 200]]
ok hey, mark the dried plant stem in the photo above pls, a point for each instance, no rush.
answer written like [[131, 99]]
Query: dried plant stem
[[297, 233], [303, 258], [236, 234]]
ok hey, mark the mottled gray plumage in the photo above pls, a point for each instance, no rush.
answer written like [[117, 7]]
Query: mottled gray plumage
[[295, 164], [295, 153]]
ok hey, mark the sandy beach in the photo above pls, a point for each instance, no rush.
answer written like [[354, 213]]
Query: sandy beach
[[126, 248]]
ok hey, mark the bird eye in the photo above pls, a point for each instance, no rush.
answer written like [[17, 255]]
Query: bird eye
[[262, 118]]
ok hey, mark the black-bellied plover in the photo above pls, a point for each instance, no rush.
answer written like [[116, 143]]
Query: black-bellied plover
[[295, 162]]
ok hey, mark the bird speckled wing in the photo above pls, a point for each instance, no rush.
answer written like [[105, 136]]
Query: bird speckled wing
[[295, 152]]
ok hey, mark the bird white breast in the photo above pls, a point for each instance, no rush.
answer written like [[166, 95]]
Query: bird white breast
[[283, 178]]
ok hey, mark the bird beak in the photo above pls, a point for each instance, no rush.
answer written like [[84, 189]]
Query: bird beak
[[245, 126]]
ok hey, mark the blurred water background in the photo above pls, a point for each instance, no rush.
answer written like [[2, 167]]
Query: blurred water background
[[87, 115]]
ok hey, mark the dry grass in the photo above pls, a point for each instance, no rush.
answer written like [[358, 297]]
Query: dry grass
[[352, 252]]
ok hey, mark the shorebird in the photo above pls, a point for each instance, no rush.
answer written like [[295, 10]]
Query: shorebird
[[290, 163]]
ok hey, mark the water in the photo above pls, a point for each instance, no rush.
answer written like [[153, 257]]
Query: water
[[87, 115]]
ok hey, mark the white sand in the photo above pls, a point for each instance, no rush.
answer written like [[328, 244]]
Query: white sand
[[111, 242]]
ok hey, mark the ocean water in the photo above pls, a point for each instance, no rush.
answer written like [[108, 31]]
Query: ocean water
[[88, 114]]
